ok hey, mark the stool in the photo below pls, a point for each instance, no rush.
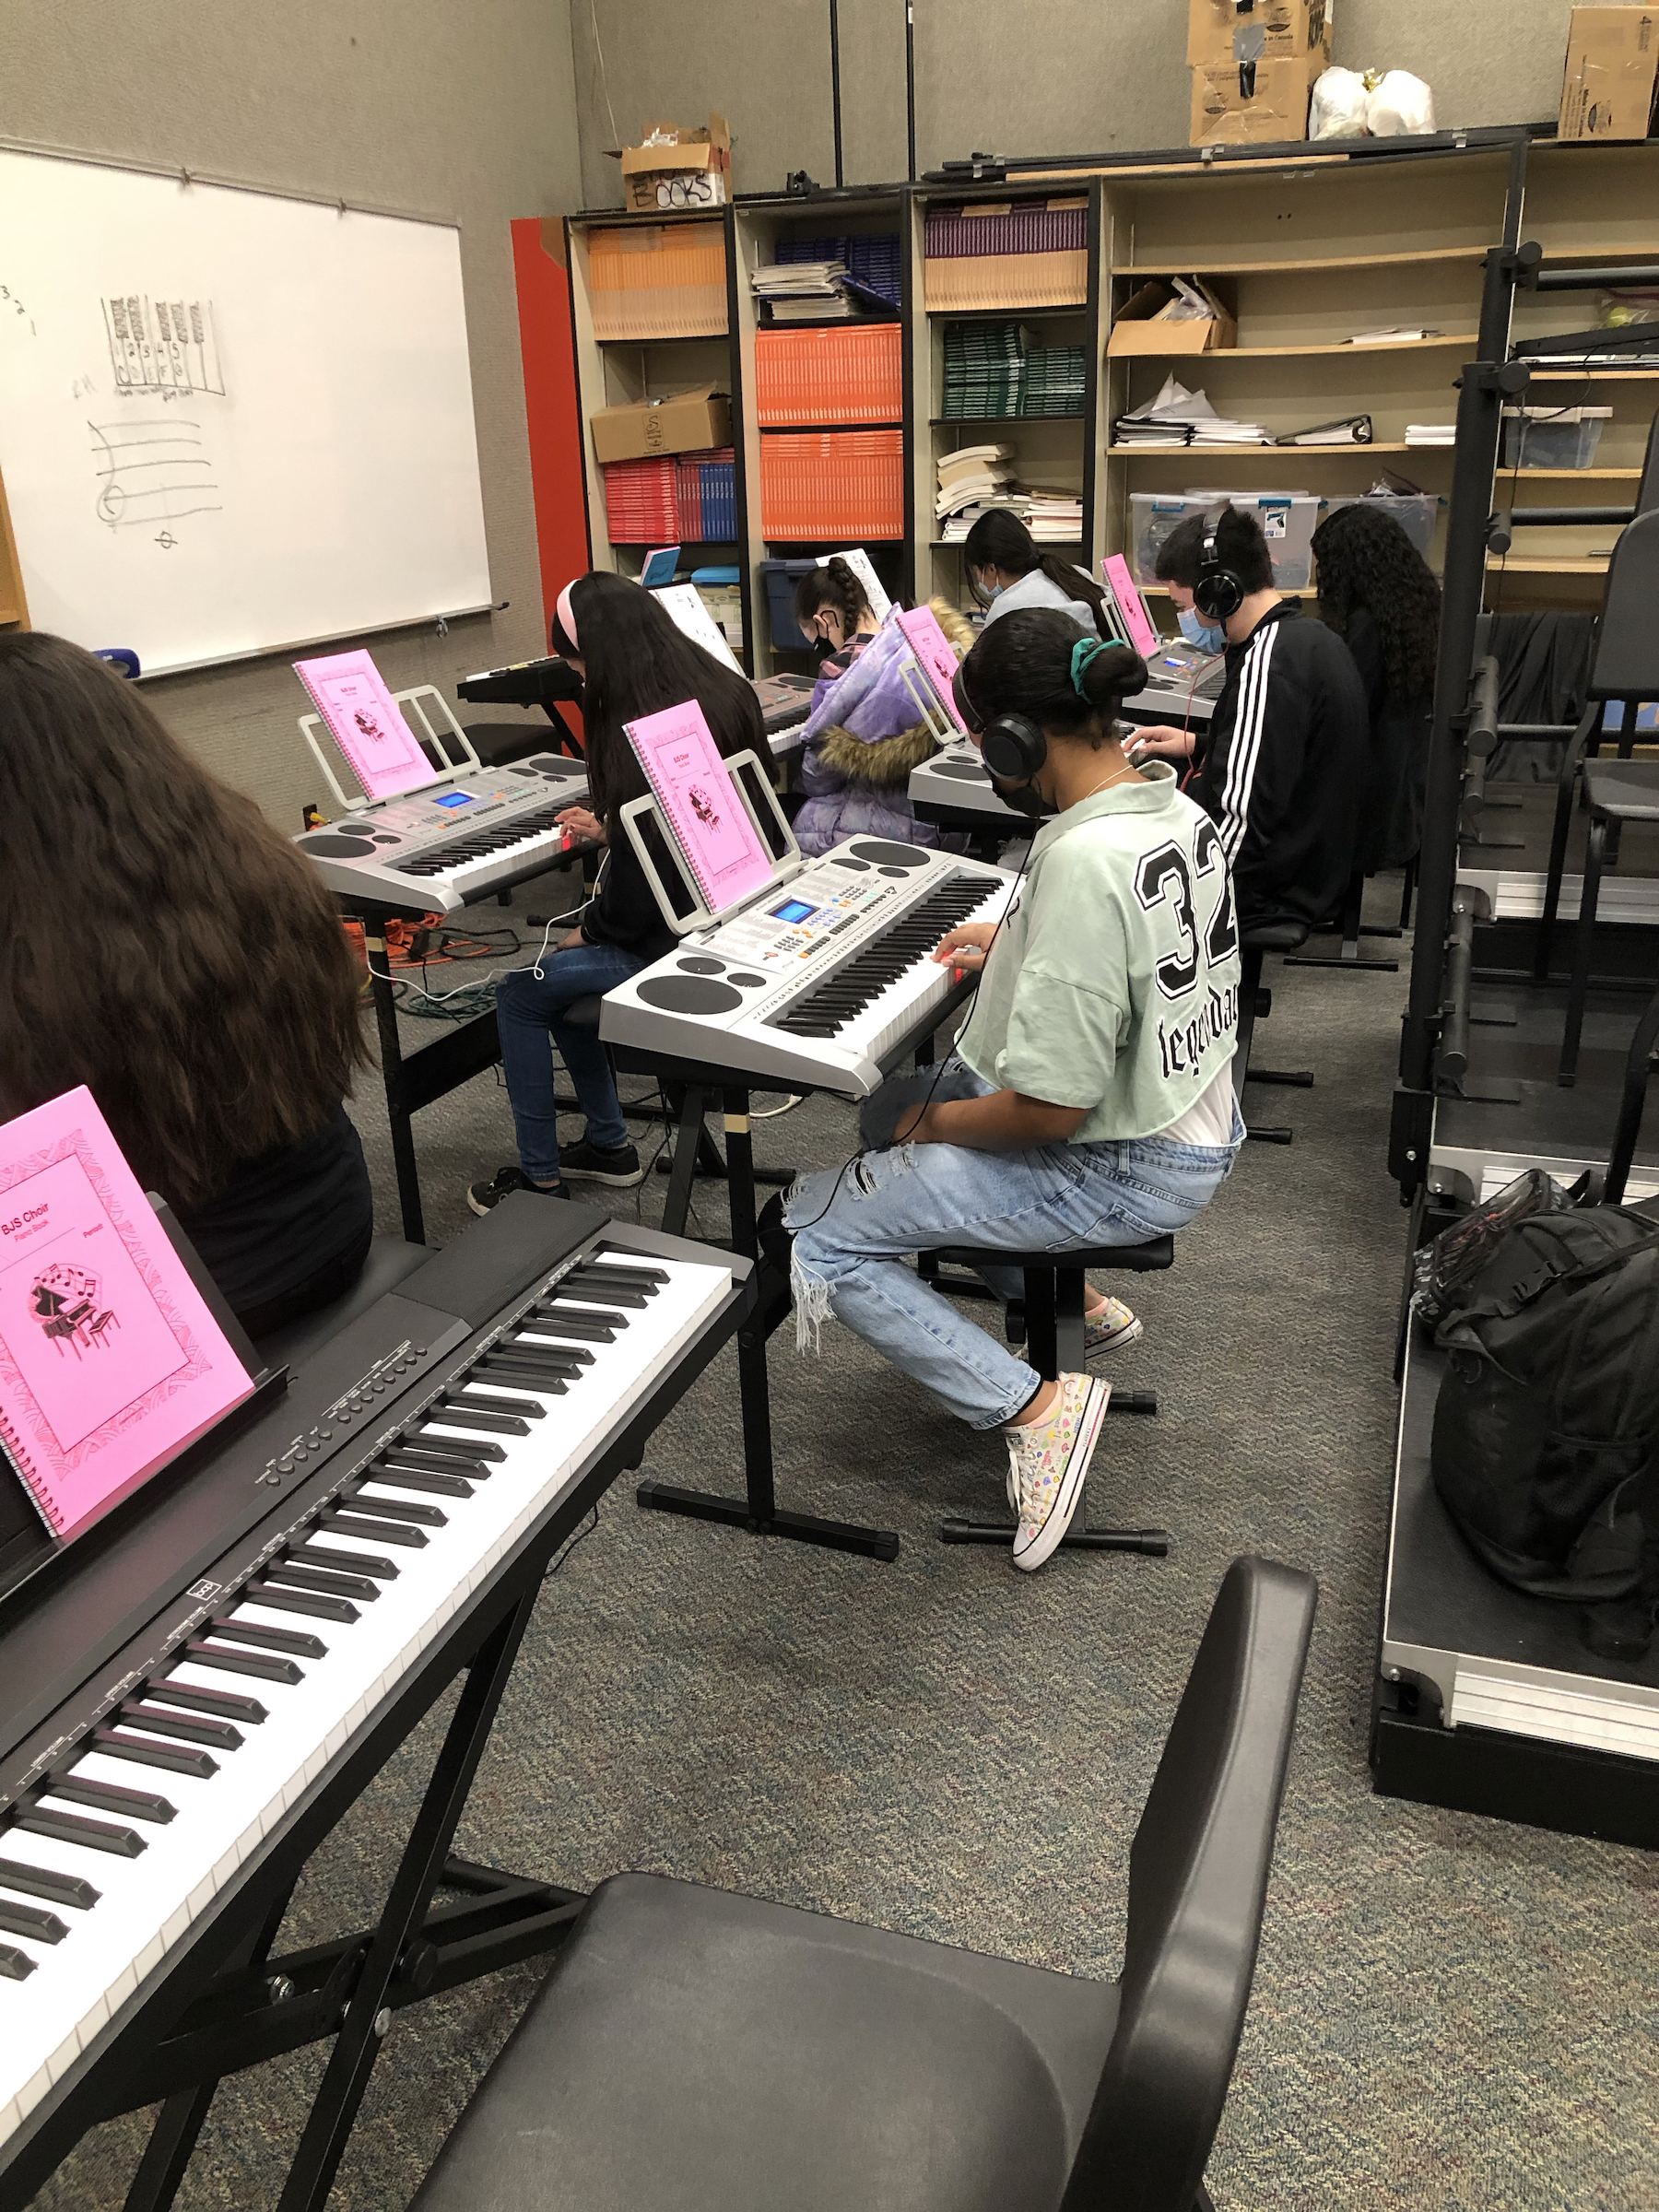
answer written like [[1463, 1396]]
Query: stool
[[1052, 1315], [1616, 792], [1256, 940]]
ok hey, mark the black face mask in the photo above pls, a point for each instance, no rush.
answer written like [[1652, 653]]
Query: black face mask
[[1024, 798]]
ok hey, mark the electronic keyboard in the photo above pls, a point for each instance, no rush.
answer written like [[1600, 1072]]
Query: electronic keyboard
[[440, 849], [170, 1707], [821, 982], [550, 681]]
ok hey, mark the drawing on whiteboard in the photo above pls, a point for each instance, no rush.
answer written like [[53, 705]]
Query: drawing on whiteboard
[[151, 471], [162, 346]]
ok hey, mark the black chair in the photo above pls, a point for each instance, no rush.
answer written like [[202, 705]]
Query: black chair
[[695, 2048], [1256, 940], [1049, 1321], [389, 1260]]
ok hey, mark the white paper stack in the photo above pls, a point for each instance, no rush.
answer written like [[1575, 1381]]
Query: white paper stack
[[1430, 433], [1178, 417]]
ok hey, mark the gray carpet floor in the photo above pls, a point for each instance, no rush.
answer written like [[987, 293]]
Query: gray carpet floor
[[1450, 2014]]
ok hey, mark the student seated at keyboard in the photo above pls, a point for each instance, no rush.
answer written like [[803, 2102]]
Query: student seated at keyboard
[[162, 944], [855, 765], [1011, 574], [1090, 1097], [632, 662]]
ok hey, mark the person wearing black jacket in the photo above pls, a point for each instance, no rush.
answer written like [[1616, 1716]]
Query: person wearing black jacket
[[632, 662], [1284, 764]]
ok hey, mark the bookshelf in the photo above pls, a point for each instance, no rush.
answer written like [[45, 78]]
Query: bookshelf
[[13, 603]]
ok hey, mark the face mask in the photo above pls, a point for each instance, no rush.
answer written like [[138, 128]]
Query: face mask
[[990, 591], [1024, 798], [1210, 636]]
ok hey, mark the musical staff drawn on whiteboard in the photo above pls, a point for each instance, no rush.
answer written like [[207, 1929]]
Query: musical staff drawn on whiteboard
[[151, 471], [162, 346]]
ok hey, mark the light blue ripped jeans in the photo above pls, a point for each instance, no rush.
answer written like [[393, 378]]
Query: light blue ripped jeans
[[851, 1262]]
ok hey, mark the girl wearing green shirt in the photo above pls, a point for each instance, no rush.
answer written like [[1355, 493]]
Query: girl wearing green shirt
[[1090, 1098]]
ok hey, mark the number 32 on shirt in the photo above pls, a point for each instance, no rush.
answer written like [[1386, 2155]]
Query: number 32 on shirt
[[1167, 878]]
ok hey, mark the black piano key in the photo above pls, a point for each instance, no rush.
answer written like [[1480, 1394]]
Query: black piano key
[[220, 1704], [564, 1362], [649, 1280], [145, 1751], [137, 1804], [31, 1920], [555, 1320], [349, 1519], [548, 1381], [46, 1881], [406, 1477], [289, 1574], [15, 1965], [332, 1561], [483, 1401], [448, 1455], [268, 1638], [189, 1728], [609, 1258], [476, 1416], [264, 1667], [75, 1828], [580, 1309], [585, 1289], [310, 1598], [394, 1509], [542, 1348]]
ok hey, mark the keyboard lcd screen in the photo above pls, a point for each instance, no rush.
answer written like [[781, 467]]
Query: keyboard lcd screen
[[454, 798], [792, 911]]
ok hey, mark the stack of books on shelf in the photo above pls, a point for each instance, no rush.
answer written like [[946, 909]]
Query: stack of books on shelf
[[869, 258], [1178, 417], [667, 282], [978, 477], [689, 497], [816, 291], [1430, 433], [993, 370], [1027, 254]]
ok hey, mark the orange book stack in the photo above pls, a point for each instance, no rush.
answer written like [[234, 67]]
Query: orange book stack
[[833, 484], [844, 373], [658, 280]]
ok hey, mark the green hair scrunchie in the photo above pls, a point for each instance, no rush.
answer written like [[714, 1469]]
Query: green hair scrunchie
[[1083, 652]]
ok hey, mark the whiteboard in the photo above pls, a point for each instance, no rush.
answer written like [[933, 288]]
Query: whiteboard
[[230, 422]]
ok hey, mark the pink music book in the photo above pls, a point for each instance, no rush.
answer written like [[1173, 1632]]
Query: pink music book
[[352, 698], [698, 800], [1130, 605], [109, 1359], [934, 652]]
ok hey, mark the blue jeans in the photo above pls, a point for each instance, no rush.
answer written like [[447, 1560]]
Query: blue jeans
[[530, 1017], [888, 1205]]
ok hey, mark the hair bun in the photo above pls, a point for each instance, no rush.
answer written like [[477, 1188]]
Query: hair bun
[[1116, 672]]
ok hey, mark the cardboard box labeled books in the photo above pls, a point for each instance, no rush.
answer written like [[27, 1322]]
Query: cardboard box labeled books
[[677, 165], [1225, 31], [689, 423], [1143, 324], [1612, 74], [1252, 103]]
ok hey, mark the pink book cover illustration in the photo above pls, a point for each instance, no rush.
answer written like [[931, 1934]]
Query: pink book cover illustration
[[933, 650], [693, 786], [1130, 605], [351, 695], [109, 1359]]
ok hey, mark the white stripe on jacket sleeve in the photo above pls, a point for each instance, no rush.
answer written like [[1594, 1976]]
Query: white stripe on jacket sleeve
[[1246, 746]]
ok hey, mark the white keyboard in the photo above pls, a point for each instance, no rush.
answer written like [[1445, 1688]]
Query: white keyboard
[[440, 849], [814, 984], [283, 1679]]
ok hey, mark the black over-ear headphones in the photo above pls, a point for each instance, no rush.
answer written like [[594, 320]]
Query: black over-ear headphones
[[1219, 592], [1012, 745]]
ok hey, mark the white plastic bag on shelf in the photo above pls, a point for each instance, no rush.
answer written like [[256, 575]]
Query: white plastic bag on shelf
[[1401, 107], [1339, 105]]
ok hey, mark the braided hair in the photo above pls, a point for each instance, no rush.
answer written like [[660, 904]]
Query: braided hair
[[1366, 559]]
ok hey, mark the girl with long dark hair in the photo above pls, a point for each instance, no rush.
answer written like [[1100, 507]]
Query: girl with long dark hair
[[1012, 573], [1379, 595], [162, 944], [1090, 1097], [632, 662]]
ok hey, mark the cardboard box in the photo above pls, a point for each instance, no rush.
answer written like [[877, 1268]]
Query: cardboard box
[[1612, 74], [677, 166], [688, 423], [1252, 103], [1255, 31], [1134, 329]]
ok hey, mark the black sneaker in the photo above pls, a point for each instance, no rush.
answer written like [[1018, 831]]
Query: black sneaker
[[596, 1164], [481, 1196]]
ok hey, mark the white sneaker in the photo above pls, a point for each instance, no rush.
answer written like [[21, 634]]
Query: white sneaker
[[1049, 1464], [1109, 1330]]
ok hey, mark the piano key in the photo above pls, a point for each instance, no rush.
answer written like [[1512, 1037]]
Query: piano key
[[323, 1549], [161, 1720], [240, 1627], [315, 1582], [42, 1818], [617, 1262], [508, 1372], [15, 1964], [262, 1666], [177, 1759], [382, 1500], [419, 1478], [464, 1455], [183, 1685], [553, 1321], [77, 1788], [41, 1881], [322, 1606], [351, 1519], [566, 1351], [468, 1418], [482, 1401], [18, 1919]]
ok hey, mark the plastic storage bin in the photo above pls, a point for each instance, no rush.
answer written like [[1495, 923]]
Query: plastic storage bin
[[1552, 437], [778, 577], [1288, 521], [1416, 513]]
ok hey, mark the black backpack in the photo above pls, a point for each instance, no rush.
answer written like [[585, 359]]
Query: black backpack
[[1546, 1449]]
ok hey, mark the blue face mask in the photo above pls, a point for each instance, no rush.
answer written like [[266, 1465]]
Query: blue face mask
[[1210, 636]]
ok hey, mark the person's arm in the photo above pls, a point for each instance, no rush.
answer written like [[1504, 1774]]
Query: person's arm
[[1003, 1121], [1251, 793], [1161, 740]]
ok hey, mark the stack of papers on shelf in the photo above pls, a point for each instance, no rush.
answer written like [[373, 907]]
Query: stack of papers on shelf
[[1178, 417], [976, 476], [1055, 517], [1398, 334], [815, 291], [1430, 433]]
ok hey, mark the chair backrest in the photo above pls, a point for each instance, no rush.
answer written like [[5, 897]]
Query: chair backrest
[[1627, 643], [1647, 488], [1197, 1885]]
